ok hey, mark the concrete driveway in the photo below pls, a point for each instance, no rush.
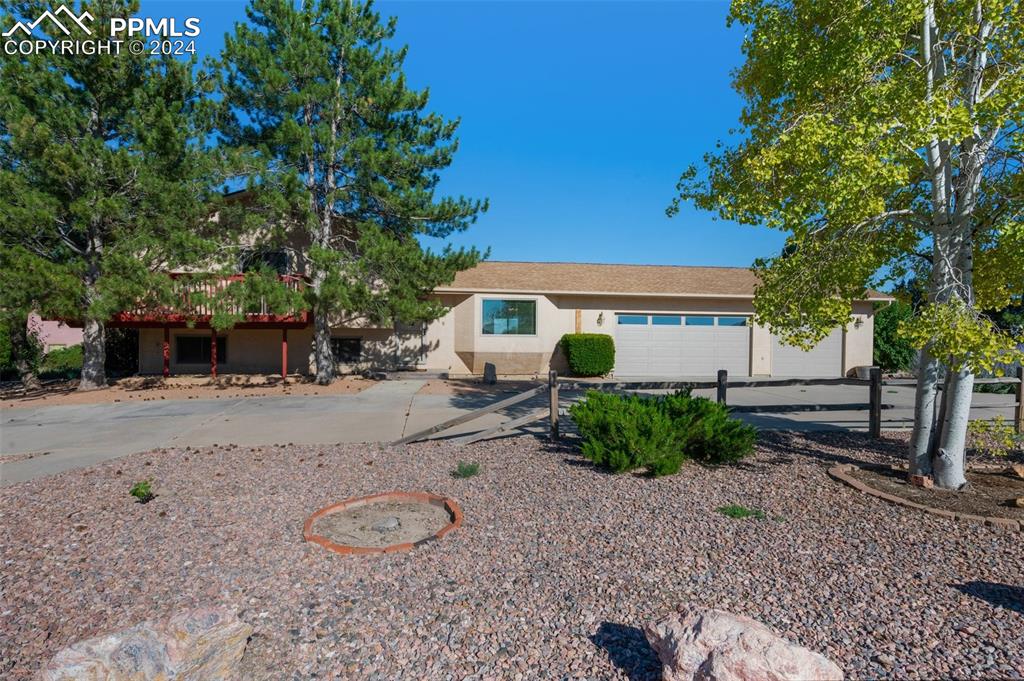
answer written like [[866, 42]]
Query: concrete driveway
[[66, 437]]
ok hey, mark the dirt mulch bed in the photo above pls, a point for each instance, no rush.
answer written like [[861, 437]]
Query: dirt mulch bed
[[151, 388], [553, 574], [987, 492]]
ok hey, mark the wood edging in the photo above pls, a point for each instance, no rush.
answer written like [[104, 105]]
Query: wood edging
[[454, 512], [842, 472]]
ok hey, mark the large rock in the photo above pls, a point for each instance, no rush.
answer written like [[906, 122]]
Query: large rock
[[714, 645], [204, 643]]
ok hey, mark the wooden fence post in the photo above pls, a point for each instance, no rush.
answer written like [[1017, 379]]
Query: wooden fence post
[[723, 383], [553, 402], [1019, 412], [875, 403]]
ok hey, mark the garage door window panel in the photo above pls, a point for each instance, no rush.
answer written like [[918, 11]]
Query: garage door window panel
[[732, 321], [509, 317], [666, 320], [700, 321], [632, 320]]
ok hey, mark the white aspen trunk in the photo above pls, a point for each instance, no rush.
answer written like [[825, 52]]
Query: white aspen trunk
[[94, 353], [924, 436], [950, 460]]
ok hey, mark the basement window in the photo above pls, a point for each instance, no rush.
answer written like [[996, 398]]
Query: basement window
[[347, 350], [509, 317], [196, 349]]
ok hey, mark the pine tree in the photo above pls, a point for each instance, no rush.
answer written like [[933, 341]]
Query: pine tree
[[105, 178], [350, 161]]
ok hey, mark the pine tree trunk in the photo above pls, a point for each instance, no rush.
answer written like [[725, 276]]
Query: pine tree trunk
[[25, 354], [94, 353], [950, 457], [924, 435], [322, 345]]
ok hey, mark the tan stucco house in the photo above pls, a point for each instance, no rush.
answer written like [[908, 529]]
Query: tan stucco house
[[666, 321]]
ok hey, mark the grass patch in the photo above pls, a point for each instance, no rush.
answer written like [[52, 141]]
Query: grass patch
[[740, 512], [465, 469]]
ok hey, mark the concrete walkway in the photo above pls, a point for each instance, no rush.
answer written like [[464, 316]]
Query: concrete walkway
[[67, 437]]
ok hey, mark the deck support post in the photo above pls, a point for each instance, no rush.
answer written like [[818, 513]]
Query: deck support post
[[213, 352], [167, 351], [284, 354]]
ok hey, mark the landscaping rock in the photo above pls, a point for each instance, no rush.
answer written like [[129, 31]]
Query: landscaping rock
[[1016, 470], [1019, 502], [714, 645], [204, 643]]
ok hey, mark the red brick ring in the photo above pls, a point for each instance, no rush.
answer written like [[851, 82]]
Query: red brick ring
[[454, 512]]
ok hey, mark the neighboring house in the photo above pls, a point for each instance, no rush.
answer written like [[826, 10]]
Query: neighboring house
[[666, 321], [54, 335]]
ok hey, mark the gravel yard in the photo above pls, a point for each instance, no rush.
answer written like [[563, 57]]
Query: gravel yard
[[552, 574]]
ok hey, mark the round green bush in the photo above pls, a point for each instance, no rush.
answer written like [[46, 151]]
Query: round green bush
[[589, 354]]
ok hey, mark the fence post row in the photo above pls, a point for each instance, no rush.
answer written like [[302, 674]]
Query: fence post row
[[723, 383], [553, 402], [875, 403]]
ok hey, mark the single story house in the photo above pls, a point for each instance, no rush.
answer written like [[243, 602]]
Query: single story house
[[667, 321]]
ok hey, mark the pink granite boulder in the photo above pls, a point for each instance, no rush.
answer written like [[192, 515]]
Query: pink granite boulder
[[714, 645], [204, 643]]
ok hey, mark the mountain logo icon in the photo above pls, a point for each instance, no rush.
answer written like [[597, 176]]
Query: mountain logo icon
[[68, 15]]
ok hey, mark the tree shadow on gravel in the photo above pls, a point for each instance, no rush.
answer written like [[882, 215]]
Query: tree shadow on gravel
[[820, 445], [628, 649], [999, 595]]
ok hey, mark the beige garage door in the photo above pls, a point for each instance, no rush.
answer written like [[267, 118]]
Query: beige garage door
[[824, 360], [660, 345]]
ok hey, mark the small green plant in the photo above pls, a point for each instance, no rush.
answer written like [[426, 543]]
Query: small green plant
[[142, 491], [589, 354], [740, 512], [465, 469], [993, 438]]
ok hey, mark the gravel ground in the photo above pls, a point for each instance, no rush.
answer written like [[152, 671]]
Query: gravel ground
[[553, 573]]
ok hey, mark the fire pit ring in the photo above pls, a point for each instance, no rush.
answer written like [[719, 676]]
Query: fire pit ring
[[366, 523]]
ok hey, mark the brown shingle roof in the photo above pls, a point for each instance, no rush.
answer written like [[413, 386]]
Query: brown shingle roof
[[566, 277]]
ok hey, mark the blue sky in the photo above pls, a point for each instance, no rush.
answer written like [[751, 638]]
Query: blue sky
[[577, 118]]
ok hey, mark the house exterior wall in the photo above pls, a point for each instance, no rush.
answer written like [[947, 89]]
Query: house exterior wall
[[556, 315], [258, 351], [54, 334], [456, 345]]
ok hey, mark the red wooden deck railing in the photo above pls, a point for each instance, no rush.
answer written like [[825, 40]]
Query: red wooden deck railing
[[196, 293]]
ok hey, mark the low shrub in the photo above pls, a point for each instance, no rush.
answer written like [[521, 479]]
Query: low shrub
[[623, 433], [709, 433], [65, 363], [589, 354], [142, 491], [465, 469]]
